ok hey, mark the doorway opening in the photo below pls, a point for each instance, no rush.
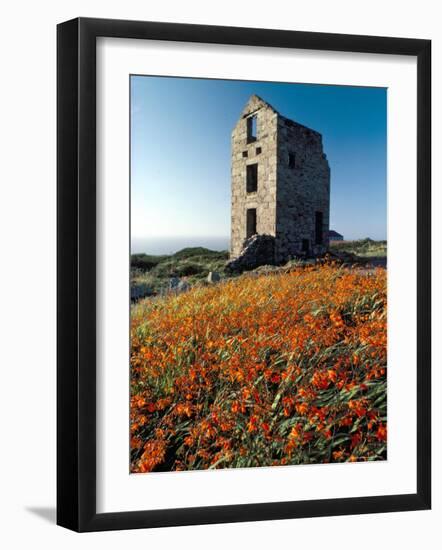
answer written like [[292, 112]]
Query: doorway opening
[[251, 222]]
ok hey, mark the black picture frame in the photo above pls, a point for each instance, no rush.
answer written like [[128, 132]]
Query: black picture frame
[[76, 274]]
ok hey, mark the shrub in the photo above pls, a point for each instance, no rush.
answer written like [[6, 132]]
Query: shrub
[[187, 269], [200, 251], [145, 261]]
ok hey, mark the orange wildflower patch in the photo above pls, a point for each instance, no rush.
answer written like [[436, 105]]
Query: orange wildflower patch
[[288, 368]]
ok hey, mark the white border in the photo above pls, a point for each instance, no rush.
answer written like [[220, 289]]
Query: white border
[[116, 489]]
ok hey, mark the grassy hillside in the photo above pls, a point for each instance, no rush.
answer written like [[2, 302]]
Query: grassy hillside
[[154, 272], [364, 248], [263, 370], [151, 275]]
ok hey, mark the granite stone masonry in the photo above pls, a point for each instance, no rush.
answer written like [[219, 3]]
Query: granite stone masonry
[[280, 184]]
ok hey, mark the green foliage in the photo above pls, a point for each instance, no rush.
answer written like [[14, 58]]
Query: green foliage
[[363, 247], [153, 272], [197, 254], [201, 252], [146, 261]]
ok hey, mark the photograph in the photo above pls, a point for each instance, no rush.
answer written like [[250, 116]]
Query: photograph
[[258, 274], [232, 328], [243, 274]]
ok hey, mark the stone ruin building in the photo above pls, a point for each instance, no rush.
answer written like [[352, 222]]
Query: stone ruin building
[[280, 186]]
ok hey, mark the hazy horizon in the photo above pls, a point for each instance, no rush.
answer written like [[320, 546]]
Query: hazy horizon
[[170, 245]]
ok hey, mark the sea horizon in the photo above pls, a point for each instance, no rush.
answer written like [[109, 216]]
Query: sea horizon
[[170, 245]]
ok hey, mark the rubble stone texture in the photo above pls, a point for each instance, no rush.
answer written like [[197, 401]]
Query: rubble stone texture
[[258, 250], [290, 199]]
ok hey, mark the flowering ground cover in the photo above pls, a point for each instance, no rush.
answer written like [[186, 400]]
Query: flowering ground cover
[[276, 369]]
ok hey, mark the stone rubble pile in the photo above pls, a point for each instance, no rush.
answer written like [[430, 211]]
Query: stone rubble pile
[[257, 250]]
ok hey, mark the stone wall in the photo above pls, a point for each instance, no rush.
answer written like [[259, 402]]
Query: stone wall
[[293, 183], [303, 189], [264, 199]]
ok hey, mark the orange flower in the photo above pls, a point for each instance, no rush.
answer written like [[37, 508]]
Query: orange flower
[[357, 407], [336, 318], [154, 452], [321, 380], [206, 369], [337, 455], [346, 421], [295, 432], [381, 433], [265, 426], [301, 408], [332, 375], [252, 425]]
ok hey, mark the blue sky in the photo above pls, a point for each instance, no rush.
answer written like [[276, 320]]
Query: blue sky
[[180, 153]]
